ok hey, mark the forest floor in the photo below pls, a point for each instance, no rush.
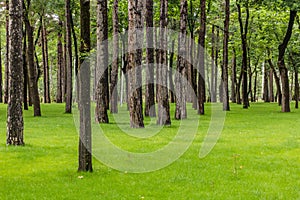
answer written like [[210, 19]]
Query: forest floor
[[257, 157]]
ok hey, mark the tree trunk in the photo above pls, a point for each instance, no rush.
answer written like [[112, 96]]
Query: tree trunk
[[34, 93], [225, 57], [69, 63], [277, 82], [59, 64], [180, 112], [25, 72], [213, 69], [115, 62], [201, 56], [266, 87], [243, 32], [285, 106], [149, 95], [296, 87], [233, 78], [162, 90], [136, 115], [171, 82], [75, 50], [255, 83], [102, 63], [85, 140], [6, 54], [271, 85], [15, 123]]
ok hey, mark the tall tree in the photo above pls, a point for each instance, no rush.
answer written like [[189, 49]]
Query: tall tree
[[15, 123], [85, 140], [201, 57], [180, 112], [285, 104], [233, 77], [33, 86], [244, 32], [69, 63], [149, 94], [44, 42], [115, 62], [136, 115], [59, 63], [162, 90], [1, 79], [226, 106], [25, 72], [102, 63]]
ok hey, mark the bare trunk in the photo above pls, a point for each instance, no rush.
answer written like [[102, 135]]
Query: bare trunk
[[25, 72], [59, 64], [15, 123], [171, 82], [69, 62], [102, 63], [233, 78], [85, 140], [225, 57], [1, 76], [115, 62], [6, 75]]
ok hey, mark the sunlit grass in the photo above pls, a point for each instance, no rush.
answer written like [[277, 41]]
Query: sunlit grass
[[256, 157]]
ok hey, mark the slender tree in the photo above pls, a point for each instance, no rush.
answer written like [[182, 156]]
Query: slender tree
[[59, 63], [1, 79], [85, 140], [6, 52], [149, 94], [233, 77], [25, 72], [244, 32], [180, 112], [285, 106], [226, 106], [162, 90], [102, 63], [115, 62], [15, 123], [33, 75], [201, 57], [69, 63]]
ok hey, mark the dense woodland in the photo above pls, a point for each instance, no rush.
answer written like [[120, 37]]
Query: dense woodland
[[241, 51]]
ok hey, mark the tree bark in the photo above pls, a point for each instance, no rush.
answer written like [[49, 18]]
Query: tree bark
[[59, 64], [115, 62], [102, 63], [243, 32], [201, 56], [31, 66], [69, 62], [15, 123], [150, 95], [1, 76], [285, 106], [25, 72], [171, 82], [162, 90], [226, 106], [180, 112], [277, 81], [85, 140]]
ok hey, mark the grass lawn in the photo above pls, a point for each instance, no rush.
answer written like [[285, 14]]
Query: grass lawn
[[256, 157]]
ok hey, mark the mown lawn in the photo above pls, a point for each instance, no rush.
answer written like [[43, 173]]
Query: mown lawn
[[256, 157]]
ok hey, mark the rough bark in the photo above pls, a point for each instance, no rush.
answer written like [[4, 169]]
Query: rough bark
[[149, 94], [285, 105], [59, 64], [25, 72], [15, 123], [115, 62], [171, 82], [201, 63], [226, 106], [85, 140], [180, 112], [266, 87], [136, 115], [69, 63], [102, 63], [271, 85], [213, 69], [33, 87], [162, 90]]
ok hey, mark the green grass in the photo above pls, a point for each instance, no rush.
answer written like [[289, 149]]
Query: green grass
[[256, 157]]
